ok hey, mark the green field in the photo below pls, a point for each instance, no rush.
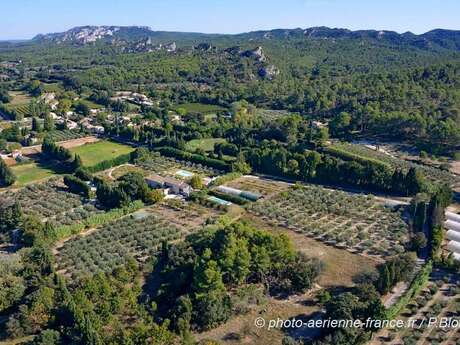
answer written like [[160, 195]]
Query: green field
[[205, 144], [200, 108], [94, 153], [32, 172], [52, 87]]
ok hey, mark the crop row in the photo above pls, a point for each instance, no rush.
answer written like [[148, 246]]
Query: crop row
[[440, 299], [160, 165], [114, 243], [351, 221], [64, 135], [50, 201]]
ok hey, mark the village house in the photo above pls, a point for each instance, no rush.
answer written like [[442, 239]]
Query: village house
[[175, 186]]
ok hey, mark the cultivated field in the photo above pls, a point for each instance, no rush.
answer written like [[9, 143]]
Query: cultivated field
[[114, 243], [441, 298], [265, 187], [137, 236], [354, 222], [19, 97], [168, 166], [64, 135], [188, 216], [51, 202]]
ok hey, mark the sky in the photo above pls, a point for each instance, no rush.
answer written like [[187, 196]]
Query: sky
[[23, 19]]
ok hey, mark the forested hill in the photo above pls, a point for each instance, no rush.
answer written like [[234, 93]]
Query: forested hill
[[434, 40], [403, 86]]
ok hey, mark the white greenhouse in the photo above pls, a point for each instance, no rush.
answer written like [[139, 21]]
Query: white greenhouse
[[453, 216], [453, 235], [454, 247], [451, 225]]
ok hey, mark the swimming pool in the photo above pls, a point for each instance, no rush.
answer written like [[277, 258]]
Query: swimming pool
[[184, 173]]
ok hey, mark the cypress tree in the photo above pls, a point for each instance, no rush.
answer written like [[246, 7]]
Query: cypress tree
[[7, 177]]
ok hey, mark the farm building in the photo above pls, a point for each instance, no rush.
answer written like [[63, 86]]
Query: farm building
[[453, 216], [175, 186], [453, 235], [452, 224], [454, 247], [219, 201], [241, 193]]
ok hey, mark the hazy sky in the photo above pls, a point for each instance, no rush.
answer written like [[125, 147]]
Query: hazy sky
[[25, 18]]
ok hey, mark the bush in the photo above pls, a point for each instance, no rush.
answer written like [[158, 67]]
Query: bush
[[83, 174], [77, 186]]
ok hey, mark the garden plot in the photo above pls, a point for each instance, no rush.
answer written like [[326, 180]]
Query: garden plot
[[440, 298], [265, 187], [431, 173], [115, 243], [50, 201], [356, 222], [187, 216], [168, 166]]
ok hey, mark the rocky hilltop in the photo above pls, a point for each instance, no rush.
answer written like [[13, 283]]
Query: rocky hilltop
[[90, 34], [435, 39]]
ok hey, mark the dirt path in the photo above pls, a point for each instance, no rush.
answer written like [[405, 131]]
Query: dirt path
[[111, 170]]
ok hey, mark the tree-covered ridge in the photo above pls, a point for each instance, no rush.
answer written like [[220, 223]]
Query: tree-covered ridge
[[383, 89]]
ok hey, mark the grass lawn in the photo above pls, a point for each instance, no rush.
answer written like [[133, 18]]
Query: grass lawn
[[124, 169], [92, 154], [205, 144], [31, 172], [200, 108]]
